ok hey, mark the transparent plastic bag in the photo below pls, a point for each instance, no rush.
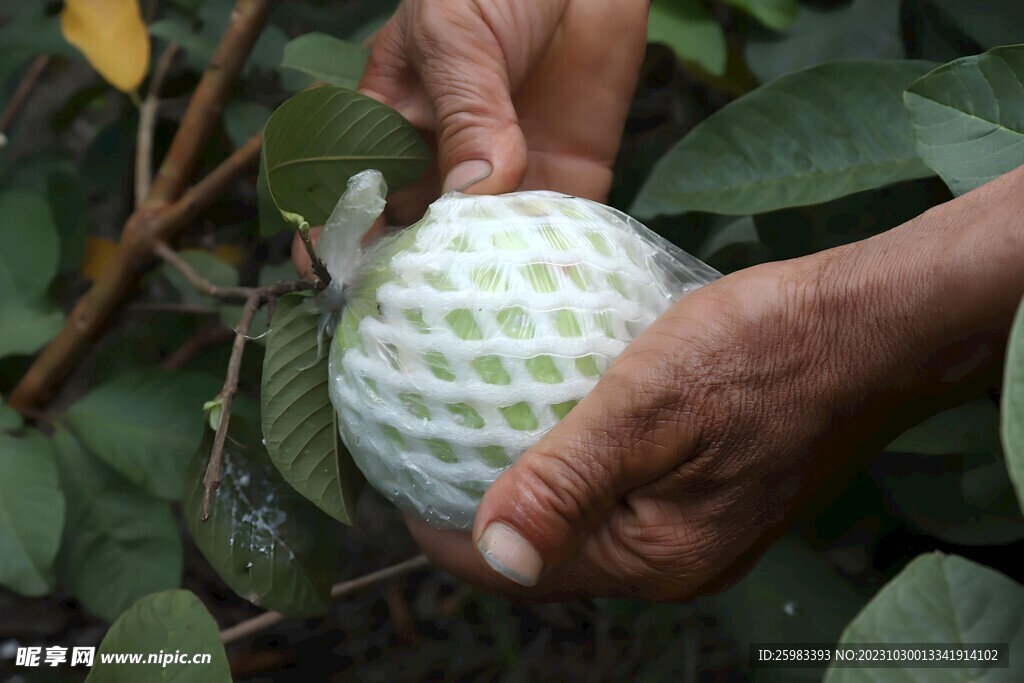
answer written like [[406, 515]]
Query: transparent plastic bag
[[463, 338]]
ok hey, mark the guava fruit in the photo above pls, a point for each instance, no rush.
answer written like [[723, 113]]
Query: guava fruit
[[465, 337]]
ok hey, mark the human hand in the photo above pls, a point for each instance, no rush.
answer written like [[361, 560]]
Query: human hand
[[521, 94], [515, 94], [717, 424], [671, 475]]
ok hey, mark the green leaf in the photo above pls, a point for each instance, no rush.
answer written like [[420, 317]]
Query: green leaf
[[688, 28], [146, 425], [961, 498], [970, 428], [777, 14], [319, 138], [266, 542], [30, 31], [863, 29], [242, 120], [10, 419], [27, 325], [940, 599], [948, 478], [726, 233], [31, 514], [55, 176], [1013, 405], [968, 117], [105, 168], [188, 6], [299, 423], [165, 623], [271, 220], [805, 138], [990, 23], [793, 595], [119, 542], [199, 40], [326, 58], [197, 46], [31, 250], [215, 270]]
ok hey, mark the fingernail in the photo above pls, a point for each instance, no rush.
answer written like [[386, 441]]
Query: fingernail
[[467, 174], [510, 554]]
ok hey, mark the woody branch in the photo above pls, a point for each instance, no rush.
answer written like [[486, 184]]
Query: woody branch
[[166, 210]]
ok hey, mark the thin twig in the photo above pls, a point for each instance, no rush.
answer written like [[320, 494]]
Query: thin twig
[[340, 590], [207, 336], [165, 211], [254, 298], [227, 395], [319, 269], [28, 82], [204, 286], [147, 124]]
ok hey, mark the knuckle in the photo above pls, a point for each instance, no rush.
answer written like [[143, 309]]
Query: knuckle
[[566, 488]]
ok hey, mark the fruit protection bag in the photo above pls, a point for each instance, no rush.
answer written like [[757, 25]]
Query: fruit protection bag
[[461, 340]]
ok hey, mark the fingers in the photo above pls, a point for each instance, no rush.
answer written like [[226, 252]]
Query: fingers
[[454, 552], [634, 427], [441, 65], [465, 76]]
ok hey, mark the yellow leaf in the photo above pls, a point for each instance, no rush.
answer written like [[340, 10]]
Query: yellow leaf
[[99, 253], [112, 36]]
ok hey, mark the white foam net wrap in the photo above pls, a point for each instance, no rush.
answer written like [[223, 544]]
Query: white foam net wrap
[[467, 336]]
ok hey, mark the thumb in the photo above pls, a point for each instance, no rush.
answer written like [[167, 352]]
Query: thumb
[[628, 431], [480, 143]]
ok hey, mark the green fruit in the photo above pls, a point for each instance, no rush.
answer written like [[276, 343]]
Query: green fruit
[[468, 335]]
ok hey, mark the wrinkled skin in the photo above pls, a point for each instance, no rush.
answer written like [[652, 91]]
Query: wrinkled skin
[[748, 400], [538, 91], [750, 397]]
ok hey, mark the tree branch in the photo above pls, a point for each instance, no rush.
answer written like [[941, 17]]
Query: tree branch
[[254, 298], [28, 83], [157, 218], [211, 480], [94, 309], [147, 124], [340, 590], [204, 110]]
